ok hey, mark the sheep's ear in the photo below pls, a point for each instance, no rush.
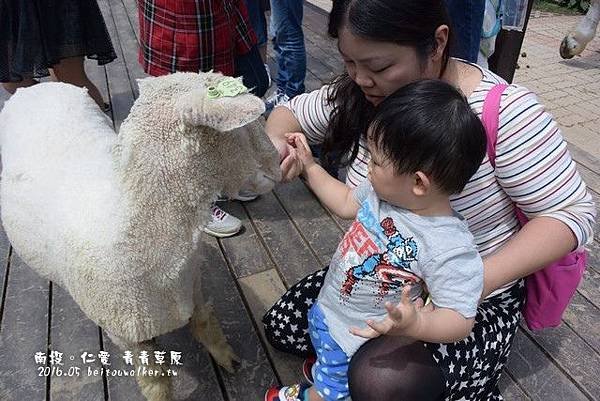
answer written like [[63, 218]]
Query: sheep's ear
[[223, 113]]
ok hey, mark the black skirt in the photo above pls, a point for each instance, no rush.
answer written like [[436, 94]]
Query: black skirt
[[37, 34]]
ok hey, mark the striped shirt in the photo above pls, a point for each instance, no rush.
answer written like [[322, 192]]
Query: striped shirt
[[534, 169]]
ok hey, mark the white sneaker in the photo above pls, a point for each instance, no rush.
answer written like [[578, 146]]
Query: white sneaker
[[223, 224], [242, 196], [275, 100]]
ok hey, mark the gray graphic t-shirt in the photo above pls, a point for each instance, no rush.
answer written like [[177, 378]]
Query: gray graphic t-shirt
[[388, 247]]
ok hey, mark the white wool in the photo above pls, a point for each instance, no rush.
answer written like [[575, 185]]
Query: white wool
[[115, 220]]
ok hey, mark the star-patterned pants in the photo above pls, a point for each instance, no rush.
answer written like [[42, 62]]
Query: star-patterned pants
[[471, 367]]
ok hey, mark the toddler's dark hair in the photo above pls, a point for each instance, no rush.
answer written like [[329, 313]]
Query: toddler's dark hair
[[429, 126]]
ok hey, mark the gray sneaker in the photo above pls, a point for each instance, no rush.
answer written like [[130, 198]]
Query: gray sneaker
[[223, 224]]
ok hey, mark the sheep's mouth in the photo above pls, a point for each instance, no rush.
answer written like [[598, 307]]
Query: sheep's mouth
[[268, 177]]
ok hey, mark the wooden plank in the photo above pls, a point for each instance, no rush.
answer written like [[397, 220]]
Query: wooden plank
[[572, 355], [584, 318], [254, 374], [584, 158], [510, 389], [129, 43], [538, 376], [591, 178], [261, 291], [4, 254], [290, 252], [24, 333], [72, 334], [593, 259], [313, 222], [196, 378], [589, 287], [122, 388], [244, 252], [120, 89], [132, 16]]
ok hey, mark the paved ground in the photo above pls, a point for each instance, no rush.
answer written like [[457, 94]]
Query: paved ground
[[570, 89]]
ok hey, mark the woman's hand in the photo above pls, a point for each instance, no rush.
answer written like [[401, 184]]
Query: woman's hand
[[290, 165], [403, 319]]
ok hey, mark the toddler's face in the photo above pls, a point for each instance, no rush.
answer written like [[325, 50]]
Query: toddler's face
[[394, 188]]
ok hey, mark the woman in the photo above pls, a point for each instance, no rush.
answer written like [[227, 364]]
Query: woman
[[386, 44], [41, 38]]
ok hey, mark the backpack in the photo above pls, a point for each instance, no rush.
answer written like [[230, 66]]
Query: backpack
[[550, 289]]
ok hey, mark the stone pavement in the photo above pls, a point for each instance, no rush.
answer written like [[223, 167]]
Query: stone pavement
[[570, 89]]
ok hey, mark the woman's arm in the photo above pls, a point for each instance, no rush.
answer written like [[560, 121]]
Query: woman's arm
[[540, 242], [535, 169]]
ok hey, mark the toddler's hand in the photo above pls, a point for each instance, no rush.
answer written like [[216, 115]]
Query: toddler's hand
[[298, 141], [402, 319]]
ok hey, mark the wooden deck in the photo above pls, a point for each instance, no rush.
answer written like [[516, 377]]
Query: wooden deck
[[286, 235]]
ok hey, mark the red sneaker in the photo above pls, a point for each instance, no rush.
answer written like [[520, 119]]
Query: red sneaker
[[307, 368], [294, 392]]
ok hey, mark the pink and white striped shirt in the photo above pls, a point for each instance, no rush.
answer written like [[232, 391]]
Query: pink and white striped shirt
[[533, 167]]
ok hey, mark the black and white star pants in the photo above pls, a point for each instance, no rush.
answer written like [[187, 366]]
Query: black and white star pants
[[471, 367]]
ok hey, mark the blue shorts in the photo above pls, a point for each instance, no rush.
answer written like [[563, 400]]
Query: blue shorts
[[330, 371]]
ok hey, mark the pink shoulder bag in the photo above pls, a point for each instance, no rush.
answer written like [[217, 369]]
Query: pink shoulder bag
[[549, 290]]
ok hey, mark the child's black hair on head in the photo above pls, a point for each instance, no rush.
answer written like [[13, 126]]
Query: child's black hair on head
[[429, 126]]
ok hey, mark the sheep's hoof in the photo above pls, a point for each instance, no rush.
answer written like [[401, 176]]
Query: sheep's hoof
[[155, 388], [225, 357]]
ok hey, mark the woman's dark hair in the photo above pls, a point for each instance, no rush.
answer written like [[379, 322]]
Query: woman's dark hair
[[429, 126], [405, 22]]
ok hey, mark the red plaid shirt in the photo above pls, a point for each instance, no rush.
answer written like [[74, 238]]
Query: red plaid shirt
[[193, 35]]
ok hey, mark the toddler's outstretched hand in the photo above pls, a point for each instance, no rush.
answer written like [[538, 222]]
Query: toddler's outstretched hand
[[298, 141], [403, 319]]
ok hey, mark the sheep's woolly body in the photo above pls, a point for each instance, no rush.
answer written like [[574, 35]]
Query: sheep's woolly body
[[115, 220]]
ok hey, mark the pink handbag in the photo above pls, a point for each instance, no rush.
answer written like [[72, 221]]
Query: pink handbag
[[549, 290]]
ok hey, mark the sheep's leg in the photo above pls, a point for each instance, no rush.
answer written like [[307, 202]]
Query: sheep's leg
[[157, 387], [207, 330]]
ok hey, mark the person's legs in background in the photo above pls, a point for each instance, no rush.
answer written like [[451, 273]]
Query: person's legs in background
[[290, 52], [11, 87], [71, 70], [467, 19], [252, 70], [256, 14]]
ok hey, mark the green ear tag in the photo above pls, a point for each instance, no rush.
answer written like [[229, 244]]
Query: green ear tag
[[230, 87], [213, 92]]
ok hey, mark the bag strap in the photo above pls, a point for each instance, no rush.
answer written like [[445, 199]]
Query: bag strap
[[490, 119]]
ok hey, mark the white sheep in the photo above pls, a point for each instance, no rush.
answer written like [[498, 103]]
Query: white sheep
[[116, 220]]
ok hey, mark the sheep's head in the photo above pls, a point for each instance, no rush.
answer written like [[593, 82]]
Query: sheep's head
[[222, 127]]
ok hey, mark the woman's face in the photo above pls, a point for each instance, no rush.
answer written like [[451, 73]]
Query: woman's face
[[380, 68]]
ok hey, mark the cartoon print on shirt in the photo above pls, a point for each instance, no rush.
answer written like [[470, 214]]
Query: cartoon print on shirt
[[390, 267]]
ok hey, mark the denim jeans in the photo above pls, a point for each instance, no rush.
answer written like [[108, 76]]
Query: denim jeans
[[252, 70], [467, 19], [256, 14], [288, 44]]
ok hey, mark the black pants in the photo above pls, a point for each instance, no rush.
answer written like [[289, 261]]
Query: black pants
[[252, 70], [386, 369]]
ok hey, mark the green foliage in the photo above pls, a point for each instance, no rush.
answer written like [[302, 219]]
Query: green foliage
[[579, 5]]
